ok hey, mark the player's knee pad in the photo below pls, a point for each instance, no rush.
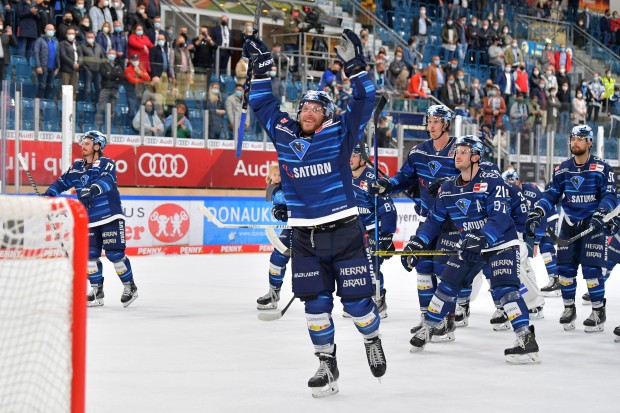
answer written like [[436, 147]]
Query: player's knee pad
[[547, 257], [591, 272], [567, 270], [279, 259], [321, 330], [443, 302], [359, 307], [94, 253], [514, 305], [321, 303], [595, 282], [364, 315], [95, 271], [121, 264]]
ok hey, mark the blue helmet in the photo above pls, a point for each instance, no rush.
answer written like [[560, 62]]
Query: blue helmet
[[358, 149], [318, 97], [97, 138], [440, 111], [510, 175], [583, 130], [475, 144]]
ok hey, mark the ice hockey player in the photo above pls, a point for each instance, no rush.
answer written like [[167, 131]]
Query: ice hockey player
[[278, 260], [585, 185], [363, 177], [478, 203], [94, 179], [426, 163], [328, 245]]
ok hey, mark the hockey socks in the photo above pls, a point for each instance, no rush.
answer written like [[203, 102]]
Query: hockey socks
[[95, 272], [321, 329], [427, 284], [514, 306]]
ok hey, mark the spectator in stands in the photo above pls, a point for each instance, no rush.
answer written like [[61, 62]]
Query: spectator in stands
[[609, 84], [382, 56], [157, 29], [518, 114], [547, 57], [379, 79], [118, 11], [151, 93], [565, 106], [505, 38], [420, 29], [67, 23], [384, 132], [485, 39], [93, 57], [605, 27], [594, 97], [539, 91], [367, 46], [104, 37], [496, 58], [614, 109], [233, 110], [578, 38], [409, 56], [415, 86], [495, 29], [506, 83], [241, 70], [7, 40], [84, 27], [222, 38], [182, 66], [47, 62], [535, 114], [472, 39], [513, 56], [563, 58], [396, 67], [573, 5], [329, 77], [183, 125], [120, 43], [586, 16], [449, 38], [435, 77], [78, 11], [388, 13], [44, 15], [461, 44], [70, 61], [450, 94], [99, 13], [476, 100], [562, 77], [111, 77], [153, 8], [141, 45], [615, 25], [345, 96], [522, 82], [27, 26], [151, 123], [501, 18], [161, 58], [203, 57], [140, 18], [135, 76], [451, 67], [279, 60], [400, 83], [462, 86], [494, 108], [580, 108], [534, 78], [550, 80], [553, 110], [170, 38]]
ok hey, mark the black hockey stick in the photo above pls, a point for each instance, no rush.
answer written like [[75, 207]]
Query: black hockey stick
[[415, 253], [566, 242], [275, 315]]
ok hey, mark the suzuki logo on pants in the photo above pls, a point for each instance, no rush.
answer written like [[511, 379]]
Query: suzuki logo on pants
[[163, 165]]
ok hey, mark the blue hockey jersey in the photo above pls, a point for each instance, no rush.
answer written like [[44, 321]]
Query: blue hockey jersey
[[316, 176], [483, 204], [533, 194], [518, 207], [366, 205], [585, 188], [105, 207]]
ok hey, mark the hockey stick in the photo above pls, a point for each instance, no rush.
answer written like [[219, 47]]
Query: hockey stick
[[415, 253], [275, 241], [276, 315], [211, 217], [247, 86], [566, 242]]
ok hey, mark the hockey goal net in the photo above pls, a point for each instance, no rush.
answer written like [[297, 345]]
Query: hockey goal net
[[43, 257]]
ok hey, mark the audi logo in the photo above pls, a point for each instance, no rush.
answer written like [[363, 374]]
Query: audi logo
[[163, 165]]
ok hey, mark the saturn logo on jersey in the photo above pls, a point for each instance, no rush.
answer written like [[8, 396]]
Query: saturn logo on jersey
[[576, 181], [308, 170], [299, 147], [463, 205], [434, 166]]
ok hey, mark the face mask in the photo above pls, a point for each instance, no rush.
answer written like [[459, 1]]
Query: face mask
[[106, 3], [90, 41], [148, 109], [139, 32], [332, 84], [135, 63], [106, 30], [608, 74], [86, 24], [161, 43], [476, 85], [249, 29], [453, 66], [553, 93], [496, 28], [596, 78], [521, 67], [491, 93], [238, 93], [485, 27], [564, 88], [272, 73], [1, 28], [170, 33], [514, 45], [548, 47], [398, 59], [181, 45], [450, 22], [436, 62], [215, 91], [224, 23], [584, 83], [422, 12], [347, 87], [501, 14], [67, 21], [579, 95], [507, 70], [157, 25], [450, 82], [536, 73], [70, 37], [111, 57], [79, 6], [505, 31], [460, 77], [141, 11], [548, 72], [474, 23], [542, 86], [562, 49], [50, 33], [334, 71], [118, 29], [117, 4]]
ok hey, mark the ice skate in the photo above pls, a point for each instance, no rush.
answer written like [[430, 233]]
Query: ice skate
[[596, 321], [536, 313], [552, 289], [420, 338], [95, 297], [376, 357], [270, 300], [499, 320], [381, 305], [568, 317], [586, 299], [444, 331], [130, 293], [617, 334], [418, 326], [325, 381], [525, 350], [462, 315]]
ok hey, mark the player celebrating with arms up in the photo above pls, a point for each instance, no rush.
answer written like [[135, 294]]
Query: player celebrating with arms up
[[94, 179], [328, 245]]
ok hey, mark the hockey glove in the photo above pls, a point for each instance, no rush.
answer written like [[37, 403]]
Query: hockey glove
[[410, 261], [255, 50], [50, 192], [533, 222], [351, 53], [383, 186], [433, 188], [87, 195], [280, 212], [596, 221], [386, 244], [612, 226], [472, 245]]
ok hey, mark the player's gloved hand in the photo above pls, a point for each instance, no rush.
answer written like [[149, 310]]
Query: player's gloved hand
[[433, 188], [533, 221], [255, 50], [87, 194], [383, 186], [410, 261], [386, 244], [351, 53], [50, 192], [280, 212], [612, 226], [472, 245], [597, 220]]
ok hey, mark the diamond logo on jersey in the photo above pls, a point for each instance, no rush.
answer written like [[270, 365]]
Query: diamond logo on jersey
[[84, 179], [169, 223], [434, 166], [576, 181], [300, 147], [463, 205]]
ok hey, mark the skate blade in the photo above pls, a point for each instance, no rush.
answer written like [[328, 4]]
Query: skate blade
[[95, 303], [537, 315], [383, 314], [325, 391], [462, 323], [501, 327], [530, 358], [594, 329], [415, 329], [551, 293], [267, 306], [446, 338], [586, 302], [617, 339], [570, 326], [415, 349], [346, 315], [130, 301]]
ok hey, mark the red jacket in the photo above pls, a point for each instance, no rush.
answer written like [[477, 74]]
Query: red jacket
[[522, 81], [414, 87], [569, 61], [136, 46]]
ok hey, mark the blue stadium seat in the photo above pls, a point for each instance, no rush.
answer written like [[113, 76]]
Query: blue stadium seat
[[86, 127], [128, 130], [51, 127], [27, 125], [23, 70], [18, 60], [46, 103], [229, 84]]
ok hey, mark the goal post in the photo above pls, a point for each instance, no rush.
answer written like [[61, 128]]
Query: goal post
[[43, 272]]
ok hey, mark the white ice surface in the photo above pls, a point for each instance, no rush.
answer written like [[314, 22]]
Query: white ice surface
[[192, 342]]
